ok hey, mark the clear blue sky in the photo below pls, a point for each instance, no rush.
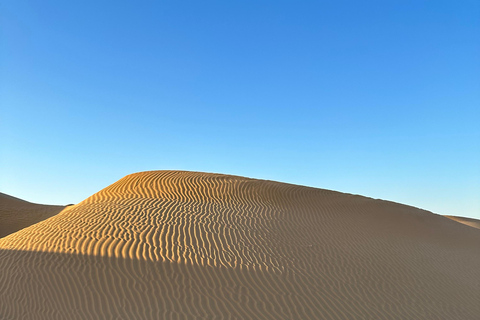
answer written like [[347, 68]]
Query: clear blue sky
[[378, 98]]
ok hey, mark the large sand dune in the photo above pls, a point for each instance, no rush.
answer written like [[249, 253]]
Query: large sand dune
[[186, 245], [16, 214]]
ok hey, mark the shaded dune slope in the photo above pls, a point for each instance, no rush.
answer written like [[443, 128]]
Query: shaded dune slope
[[172, 244], [467, 221], [16, 214]]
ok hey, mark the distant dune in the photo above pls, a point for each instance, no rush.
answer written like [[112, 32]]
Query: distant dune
[[468, 221], [16, 214], [189, 245]]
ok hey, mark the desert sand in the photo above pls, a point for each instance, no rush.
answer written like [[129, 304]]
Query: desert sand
[[467, 221], [189, 245], [16, 214]]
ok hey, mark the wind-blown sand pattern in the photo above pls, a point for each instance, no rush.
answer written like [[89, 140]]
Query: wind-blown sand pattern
[[16, 214], [187, 245]]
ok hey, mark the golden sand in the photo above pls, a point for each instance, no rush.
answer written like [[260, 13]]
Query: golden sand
[[188, 245], [467, 221]]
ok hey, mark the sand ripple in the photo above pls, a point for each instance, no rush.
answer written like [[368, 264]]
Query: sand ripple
[[172, 244]]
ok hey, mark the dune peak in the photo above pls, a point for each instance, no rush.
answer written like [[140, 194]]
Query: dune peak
[[204, 244]]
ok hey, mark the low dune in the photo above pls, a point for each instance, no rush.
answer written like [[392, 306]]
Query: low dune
[[16, 214], [467, 221], [189, 245]]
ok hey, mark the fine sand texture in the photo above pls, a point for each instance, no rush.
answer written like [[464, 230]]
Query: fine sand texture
[[16, 214], [189, 245], [468, 221]]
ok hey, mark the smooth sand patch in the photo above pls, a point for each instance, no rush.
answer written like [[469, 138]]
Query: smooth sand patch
[[186, 245], [16, 214], [467, 221]]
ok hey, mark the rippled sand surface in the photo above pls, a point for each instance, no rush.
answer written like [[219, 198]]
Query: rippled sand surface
[[189, 245]]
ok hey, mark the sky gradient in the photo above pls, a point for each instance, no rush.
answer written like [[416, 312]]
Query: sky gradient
[[377, 98]]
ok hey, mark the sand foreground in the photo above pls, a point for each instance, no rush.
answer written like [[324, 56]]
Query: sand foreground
[[189, 245]]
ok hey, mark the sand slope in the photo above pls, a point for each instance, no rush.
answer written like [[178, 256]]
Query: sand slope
[[468, 221], [16, 214], [185, 245]]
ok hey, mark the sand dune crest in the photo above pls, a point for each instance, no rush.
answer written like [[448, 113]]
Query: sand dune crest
[[174, 244], [467, 221]]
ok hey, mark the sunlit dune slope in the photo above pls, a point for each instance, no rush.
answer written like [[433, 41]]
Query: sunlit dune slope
[[16, 214], [468, 221], [187, 245]]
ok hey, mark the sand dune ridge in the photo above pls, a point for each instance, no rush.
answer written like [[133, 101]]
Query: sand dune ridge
[[265, 249]]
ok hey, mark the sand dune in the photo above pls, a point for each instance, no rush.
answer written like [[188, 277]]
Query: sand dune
[[187, 245], [467, 221], [16, 214]]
